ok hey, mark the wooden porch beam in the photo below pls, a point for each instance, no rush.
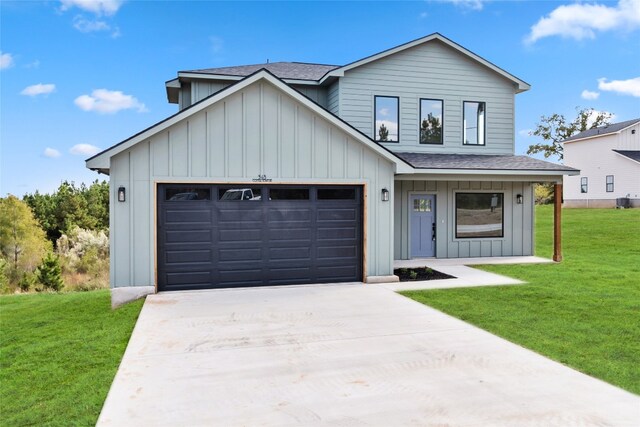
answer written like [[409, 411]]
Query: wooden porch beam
[[557, 223]]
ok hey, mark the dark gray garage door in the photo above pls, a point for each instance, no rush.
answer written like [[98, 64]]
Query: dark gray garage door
[[219, 236]]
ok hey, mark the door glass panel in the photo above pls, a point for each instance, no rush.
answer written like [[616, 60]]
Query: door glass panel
[[422, 205], [336, 193], [185, 193], [288, 194], [239, 194]]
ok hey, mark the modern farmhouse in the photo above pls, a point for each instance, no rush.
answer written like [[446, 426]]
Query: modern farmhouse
[[291, 173], [609, 161]]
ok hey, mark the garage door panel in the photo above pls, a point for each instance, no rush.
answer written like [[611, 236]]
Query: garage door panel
[[241, 235], [187, 236], [222, 243], [336, 233], [290, 253], [189, 278], [188, 216], [240, 254], [182, 256]]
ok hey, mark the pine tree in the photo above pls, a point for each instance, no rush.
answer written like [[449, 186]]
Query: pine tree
[[50, 273], [383, 133]]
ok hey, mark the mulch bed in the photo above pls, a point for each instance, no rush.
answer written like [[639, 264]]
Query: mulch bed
[[421, 273]]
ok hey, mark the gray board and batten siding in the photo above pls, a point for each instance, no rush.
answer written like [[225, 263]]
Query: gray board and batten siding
[[434, 71], [258, 129], [518, 238]]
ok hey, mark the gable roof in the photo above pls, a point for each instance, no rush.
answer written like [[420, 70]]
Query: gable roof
[[630, 154], [101, 161], [282, 70], [603, 130], [520, 84], [310, 73], [483, 162]]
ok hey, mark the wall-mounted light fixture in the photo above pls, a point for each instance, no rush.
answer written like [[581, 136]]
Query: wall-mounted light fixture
[[122, 196], [519, 199], [385, 195]]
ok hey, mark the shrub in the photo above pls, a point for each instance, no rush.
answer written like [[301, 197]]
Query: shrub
[[27, 281], [50, 273]]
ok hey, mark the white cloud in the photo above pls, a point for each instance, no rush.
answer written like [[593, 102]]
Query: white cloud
[[98, 7], [105, 101], [84, 150], [595, 113], [582, 20], [624, 87], [51, 153], [34, 64], [587, 94], [6, 60], [216, 44], [468, 4], [39, 89], [525, 132], [84, 25], [383, 112]]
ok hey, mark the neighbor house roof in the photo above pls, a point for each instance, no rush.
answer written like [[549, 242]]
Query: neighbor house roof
[[282, 70], [603, 130], [481, 162], [318, 73], [630, 154]]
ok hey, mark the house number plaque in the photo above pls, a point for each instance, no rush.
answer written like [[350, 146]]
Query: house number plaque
[[262, 178]]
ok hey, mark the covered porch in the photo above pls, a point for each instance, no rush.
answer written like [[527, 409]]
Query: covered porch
[[471, 206]]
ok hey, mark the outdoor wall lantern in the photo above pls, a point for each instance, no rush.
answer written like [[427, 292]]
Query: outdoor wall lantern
[[385, 195], [121, 194], [519, 199]]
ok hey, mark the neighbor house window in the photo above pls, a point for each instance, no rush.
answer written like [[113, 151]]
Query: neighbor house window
[[609, 183], [474, 122], [479, 215], [431, 121], [386, 118], [584, 184]]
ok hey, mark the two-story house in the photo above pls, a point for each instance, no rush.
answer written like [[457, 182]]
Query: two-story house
[[609, 161], [289, 173]]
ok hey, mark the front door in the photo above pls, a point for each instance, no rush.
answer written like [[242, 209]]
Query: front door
[[423, 220]]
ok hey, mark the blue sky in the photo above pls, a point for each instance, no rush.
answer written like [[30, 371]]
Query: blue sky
[[77, 75]]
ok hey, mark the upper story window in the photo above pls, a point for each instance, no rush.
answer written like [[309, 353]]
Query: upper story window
[[584, 184], [609, 183], [431, 120], [386, 118], [474, 122]]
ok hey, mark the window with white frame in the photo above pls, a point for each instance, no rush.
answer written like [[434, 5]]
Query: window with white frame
[[584, 184], [609, 183]]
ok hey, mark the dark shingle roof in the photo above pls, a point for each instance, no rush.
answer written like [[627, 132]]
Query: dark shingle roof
[[632, 154], [479, 161], [602, 130], [283, 70]]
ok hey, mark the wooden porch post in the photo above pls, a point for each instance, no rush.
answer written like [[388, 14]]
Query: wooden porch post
[[557, 223]]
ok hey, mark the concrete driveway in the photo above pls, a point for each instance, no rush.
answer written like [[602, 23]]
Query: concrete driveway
[[339, 355]]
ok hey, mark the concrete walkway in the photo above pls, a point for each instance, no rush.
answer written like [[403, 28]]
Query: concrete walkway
[[339, 355], [464, 276]]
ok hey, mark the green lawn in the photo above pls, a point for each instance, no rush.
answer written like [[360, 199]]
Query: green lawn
[[584, 312], [58, 356]]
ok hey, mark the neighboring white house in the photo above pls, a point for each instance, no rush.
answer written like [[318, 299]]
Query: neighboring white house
[[608, 158], [290, 173]]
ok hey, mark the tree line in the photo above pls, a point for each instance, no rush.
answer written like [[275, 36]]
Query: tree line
[[45, 238]]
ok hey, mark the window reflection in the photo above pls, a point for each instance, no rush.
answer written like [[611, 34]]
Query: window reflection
[[336, 193], [289, 194], [386, 118], [185, 193], [474, 122], [430, 121], [479, 215], [422, 205], [239, 194]]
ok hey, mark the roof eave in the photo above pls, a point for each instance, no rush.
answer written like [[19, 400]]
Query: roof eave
[[517, 172]]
